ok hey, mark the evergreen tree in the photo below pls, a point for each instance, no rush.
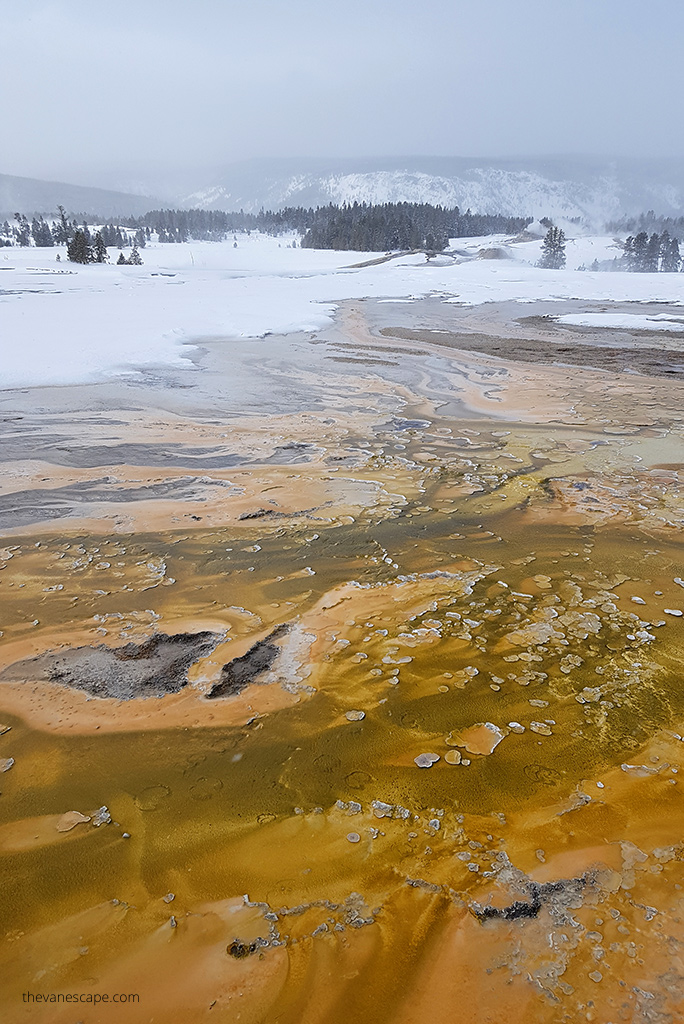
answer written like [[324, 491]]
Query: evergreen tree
[[652, 256], [23, 231], [61, 231], [78, 250], [42, 235], [640, 259], [672, 259], [629, 252], [100, 254], [135, 259], [553, 250], [122, 261]]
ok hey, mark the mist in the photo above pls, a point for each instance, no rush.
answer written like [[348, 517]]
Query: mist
[[87, 88]]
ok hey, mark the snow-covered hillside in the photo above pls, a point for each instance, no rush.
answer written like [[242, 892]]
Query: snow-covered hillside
[[593, 191], [589, 191]]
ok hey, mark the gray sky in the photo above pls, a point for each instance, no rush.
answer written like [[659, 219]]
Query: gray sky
[[201, 82]]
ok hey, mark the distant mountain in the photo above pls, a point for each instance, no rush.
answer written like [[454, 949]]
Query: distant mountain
[[593, 190], [32, 196]]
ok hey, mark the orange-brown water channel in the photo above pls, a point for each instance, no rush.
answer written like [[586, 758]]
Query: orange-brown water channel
[[494, 584]]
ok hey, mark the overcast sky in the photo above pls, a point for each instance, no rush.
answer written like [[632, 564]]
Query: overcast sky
[[201, 82]]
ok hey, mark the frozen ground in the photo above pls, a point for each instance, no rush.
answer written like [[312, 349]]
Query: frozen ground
[[61, 323]]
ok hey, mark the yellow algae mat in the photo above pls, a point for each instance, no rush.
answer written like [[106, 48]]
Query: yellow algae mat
[[376, 716]]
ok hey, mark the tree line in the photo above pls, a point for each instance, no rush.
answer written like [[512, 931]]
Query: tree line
[[366, 227], [358, 226], [62, 230], [651, 254]]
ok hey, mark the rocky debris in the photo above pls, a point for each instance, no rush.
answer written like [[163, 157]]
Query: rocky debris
[[70, 820], [101, 817], [351, 807], [169, 898], [258, 513], [6, 763], [237, 674], [153, 668], [353, 837], [383, 810], [4, 729], [240, 950], [453, 757], [355, 716], [564, 894]]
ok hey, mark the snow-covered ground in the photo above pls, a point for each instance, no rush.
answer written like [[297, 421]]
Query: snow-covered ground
[[624, 321], [61, 323]]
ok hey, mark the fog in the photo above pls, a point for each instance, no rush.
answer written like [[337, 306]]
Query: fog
[[88, 89]]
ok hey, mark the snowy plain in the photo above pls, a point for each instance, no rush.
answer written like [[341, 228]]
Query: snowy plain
[[62, 323]]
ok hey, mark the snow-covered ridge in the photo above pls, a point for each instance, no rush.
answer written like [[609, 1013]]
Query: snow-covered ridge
[[594, 193]]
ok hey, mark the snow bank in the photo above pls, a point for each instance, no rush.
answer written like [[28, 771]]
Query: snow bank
[[624, 321]]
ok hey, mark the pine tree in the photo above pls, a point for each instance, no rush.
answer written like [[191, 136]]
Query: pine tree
[[100, 254], [135, 259], [652, 258], [23, 232], [122, 261], [61, 232], [640, 260], [629, 253], [78, 250], [42, 235], [672, 259], [553, 250]]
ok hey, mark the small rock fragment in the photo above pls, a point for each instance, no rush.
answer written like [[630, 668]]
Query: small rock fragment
[[673, 611], [541, 727], [353, 837], [355, 716], [4, 729], [101, 817], [453, 757], [169, 898], [426, 760], [6, 763], [516, 727]]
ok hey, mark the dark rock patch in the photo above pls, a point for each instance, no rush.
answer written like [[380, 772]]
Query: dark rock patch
[[237, 674], [557, 895], [152, 668]]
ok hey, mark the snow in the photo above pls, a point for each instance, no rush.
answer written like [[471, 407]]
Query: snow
[[61, 323], [595, 192], [624, 321]]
